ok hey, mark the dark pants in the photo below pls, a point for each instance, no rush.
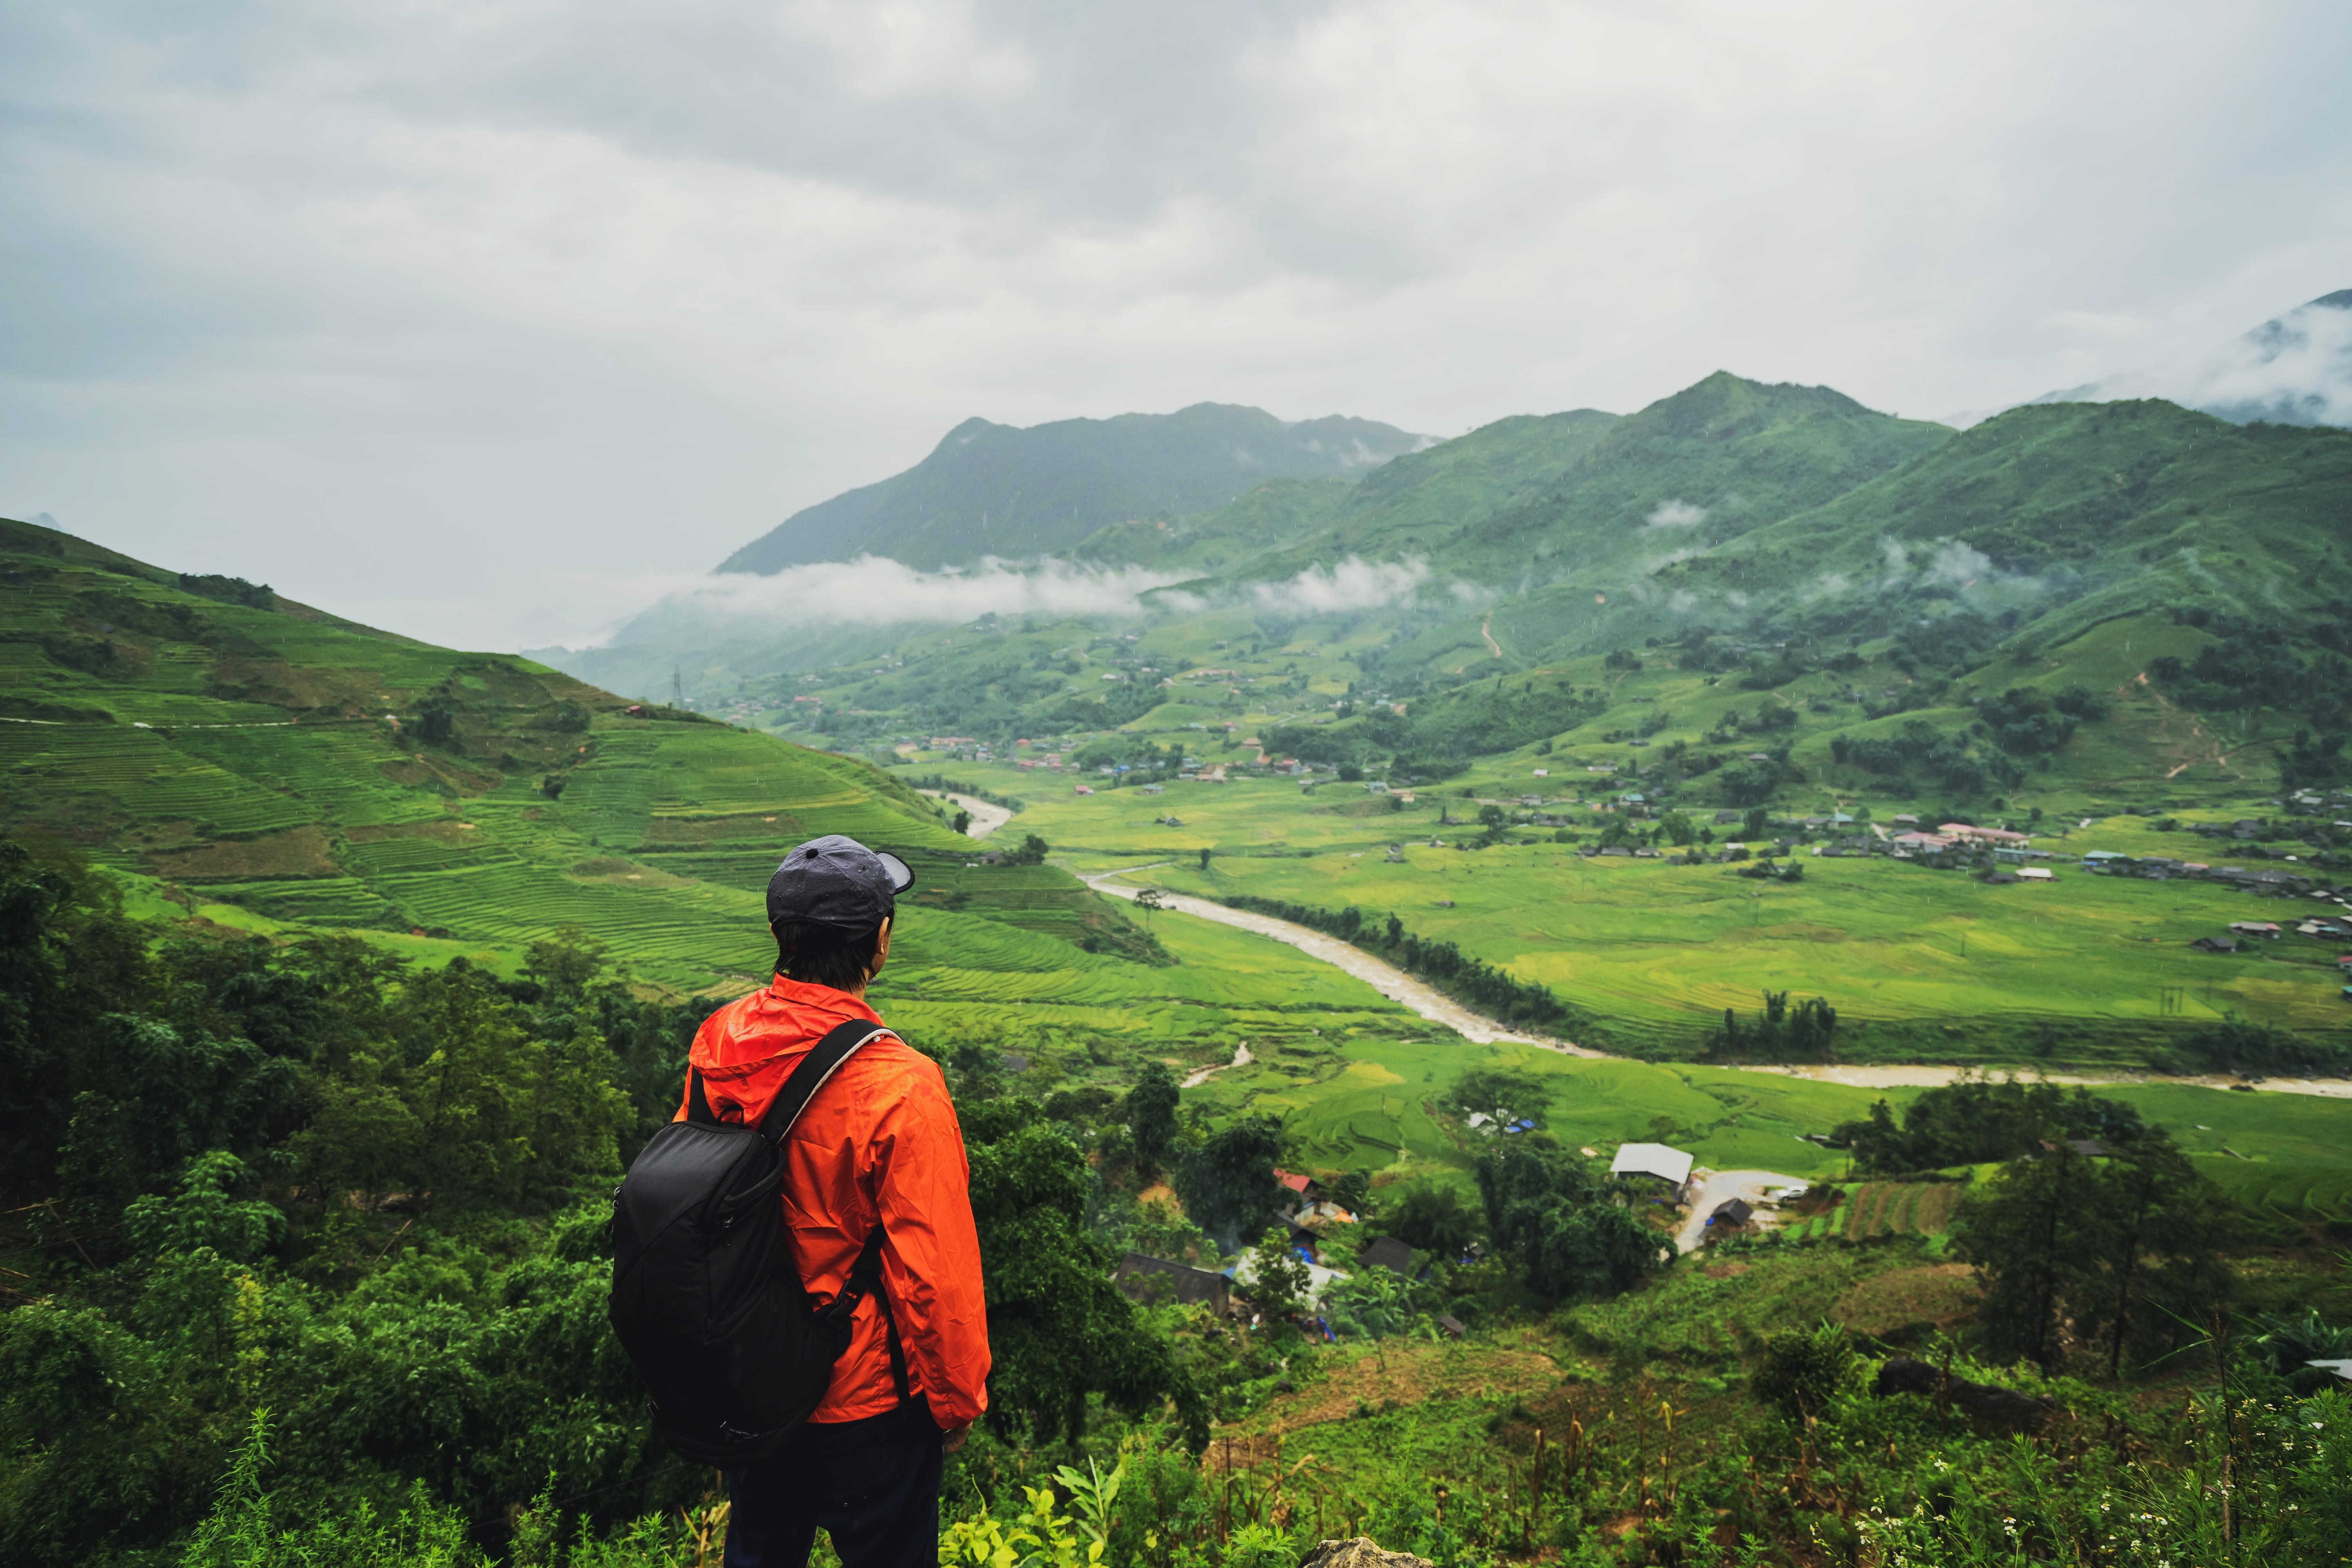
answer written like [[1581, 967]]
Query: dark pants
[[873, 1484]]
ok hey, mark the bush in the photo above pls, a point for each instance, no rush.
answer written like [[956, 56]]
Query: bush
[[1805, 1373]]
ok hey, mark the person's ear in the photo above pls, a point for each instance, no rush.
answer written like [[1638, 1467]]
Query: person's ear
[[881, 947]]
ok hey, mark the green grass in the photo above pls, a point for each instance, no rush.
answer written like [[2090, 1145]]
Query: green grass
[[1660, 950]]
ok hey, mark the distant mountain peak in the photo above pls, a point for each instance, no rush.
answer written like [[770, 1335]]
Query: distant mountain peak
[[2293, 369], [1024, 493]]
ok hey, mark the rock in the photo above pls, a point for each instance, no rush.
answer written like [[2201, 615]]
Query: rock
[[1989, 1408], [1906, 1375], [1362, 1551]]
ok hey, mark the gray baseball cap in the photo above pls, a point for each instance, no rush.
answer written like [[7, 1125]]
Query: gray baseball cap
[[838, 881]]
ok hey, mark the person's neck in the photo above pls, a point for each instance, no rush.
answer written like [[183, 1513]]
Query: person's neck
[[855, 993]]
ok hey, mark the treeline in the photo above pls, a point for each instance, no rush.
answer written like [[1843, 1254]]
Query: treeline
[[1437, 736], [1779, 1033], [1442, 964], [2099, 1239]]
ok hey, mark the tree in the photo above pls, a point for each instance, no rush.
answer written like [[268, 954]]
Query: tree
[[961, 822], [1353, 1192], [2025, 1236], [1676, 828], [1975, 1121], [1749, 783], [1227, 1183], [564, 965], [1032, 852], [1151, 1116], [1563, 1224], [1432, 1219], [1502, 1093], [1060, 1332], [1756, 824], [1278, 1280], [2159, 1247], [1204, 857]]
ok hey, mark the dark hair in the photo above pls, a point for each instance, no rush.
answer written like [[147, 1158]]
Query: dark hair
[[825, 956]]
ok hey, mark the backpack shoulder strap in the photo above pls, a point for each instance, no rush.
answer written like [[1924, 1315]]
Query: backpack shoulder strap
[[697, 1104], [824, 1058]]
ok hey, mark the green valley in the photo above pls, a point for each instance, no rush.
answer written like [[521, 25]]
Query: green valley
[[248, 763]]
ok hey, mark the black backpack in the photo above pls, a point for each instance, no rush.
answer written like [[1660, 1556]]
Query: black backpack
[[706, 1298]]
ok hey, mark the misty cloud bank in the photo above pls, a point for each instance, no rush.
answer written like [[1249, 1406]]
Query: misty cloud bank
[[875, 591], [1676, 514], [2294, 370]]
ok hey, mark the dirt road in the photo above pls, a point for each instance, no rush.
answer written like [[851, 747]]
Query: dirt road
[[985, 818], [1928, 1077], [1387, 979], [1721, 1187]]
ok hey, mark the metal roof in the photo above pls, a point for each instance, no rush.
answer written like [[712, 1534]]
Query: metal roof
[[1651, 1160]]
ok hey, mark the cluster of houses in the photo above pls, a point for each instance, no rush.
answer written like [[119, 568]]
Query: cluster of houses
[[1309, 1215]]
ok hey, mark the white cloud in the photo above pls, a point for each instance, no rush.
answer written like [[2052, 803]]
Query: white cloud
[[893, 50], [1352, 584], [2296, 368], [875, 592], [1675, 514]]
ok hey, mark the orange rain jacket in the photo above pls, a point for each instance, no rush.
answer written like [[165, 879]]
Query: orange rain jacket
[[879, 1143]]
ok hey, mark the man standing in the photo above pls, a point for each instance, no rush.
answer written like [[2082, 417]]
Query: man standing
[[877, 1145]]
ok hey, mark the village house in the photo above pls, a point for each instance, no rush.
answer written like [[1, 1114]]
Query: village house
[[1155, 1281], [1731, 1213], [1654, 1162]]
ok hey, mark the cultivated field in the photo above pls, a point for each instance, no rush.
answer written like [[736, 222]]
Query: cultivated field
[[1661, 950]]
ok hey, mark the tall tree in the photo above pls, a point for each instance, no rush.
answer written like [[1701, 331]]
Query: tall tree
[[1151, 1116], [2160, 1235], [2026, 1235], [1058, 1329], [1227, 1183]]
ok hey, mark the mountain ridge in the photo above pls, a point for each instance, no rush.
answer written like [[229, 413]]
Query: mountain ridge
[[1026, 492]]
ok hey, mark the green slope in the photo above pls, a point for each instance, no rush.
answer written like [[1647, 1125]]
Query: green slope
[[1824, 580], [1588, 497], [243, 763], [2069, 514], [1274, 514]]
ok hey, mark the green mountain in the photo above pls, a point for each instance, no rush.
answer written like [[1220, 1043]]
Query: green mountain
[[1827, 579], [1019, 494], [2054, 517], [1589, 496]]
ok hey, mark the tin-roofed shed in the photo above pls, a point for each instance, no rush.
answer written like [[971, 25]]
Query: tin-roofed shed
[[1672, 1166]]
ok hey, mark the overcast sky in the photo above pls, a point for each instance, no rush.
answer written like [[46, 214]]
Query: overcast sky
[[478, 318]]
